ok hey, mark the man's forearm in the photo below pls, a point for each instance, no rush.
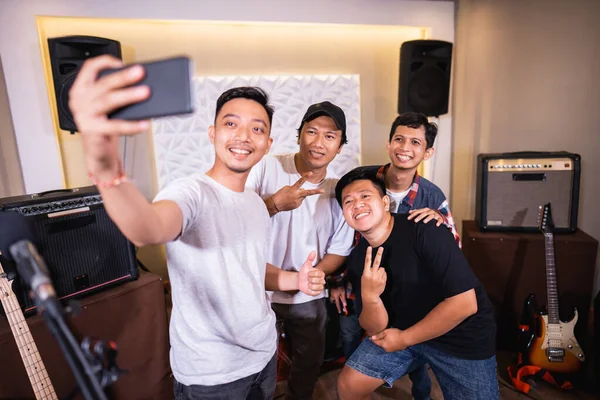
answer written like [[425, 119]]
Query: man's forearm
[[278, 279], [136, 217], [271, 206], [373, 317], [330, 263], [443, 318]]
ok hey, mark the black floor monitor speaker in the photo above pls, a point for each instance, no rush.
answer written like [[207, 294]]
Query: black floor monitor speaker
[[67, 55], [424, 84], [84, 250]]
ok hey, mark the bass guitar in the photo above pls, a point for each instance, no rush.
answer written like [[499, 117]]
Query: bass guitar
[[36, 371]]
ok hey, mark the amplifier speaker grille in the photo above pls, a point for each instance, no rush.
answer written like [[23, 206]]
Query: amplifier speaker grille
[[83, 249], [516, 203]]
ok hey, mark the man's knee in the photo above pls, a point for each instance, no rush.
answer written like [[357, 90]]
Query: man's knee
[[352, 385], [344, 385]]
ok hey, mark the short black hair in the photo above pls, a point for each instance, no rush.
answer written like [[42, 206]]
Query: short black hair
[[359, 174], [416, 120], [246, 92]]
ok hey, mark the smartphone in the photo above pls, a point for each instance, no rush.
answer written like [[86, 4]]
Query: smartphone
[[171, 90]]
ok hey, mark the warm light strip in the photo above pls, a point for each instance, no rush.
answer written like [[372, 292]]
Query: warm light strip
[[425, 31]]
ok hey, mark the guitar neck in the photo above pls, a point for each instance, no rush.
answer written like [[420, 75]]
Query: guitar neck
[[551, 285], [36, 371]]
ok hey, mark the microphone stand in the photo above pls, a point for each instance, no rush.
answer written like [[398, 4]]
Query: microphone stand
[[84, 374], [90, 379]]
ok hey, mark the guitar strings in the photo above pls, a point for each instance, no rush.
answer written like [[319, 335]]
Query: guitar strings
[[40, 381]]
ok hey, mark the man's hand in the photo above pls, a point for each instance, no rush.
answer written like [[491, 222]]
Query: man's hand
[[337, 295], [311, 280], [291, 197], [391, 340], [91, 100], [373, 278], [426, 214]]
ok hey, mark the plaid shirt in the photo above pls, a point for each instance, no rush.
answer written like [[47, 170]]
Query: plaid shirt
[[421, 194]]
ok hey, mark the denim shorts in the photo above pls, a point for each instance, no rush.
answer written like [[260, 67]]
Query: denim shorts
[[458, 378]]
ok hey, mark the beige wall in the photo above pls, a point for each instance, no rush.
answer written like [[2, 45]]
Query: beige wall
[[243, 49], [255, 49], [527, 77], [11, 180], [27, 92]]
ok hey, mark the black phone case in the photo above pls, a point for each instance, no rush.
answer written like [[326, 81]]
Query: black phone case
[[170, 83]]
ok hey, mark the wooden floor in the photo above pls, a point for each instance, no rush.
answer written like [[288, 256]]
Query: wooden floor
[[325, 388]]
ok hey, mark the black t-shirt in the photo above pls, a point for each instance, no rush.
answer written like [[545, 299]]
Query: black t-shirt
[[424, 266]]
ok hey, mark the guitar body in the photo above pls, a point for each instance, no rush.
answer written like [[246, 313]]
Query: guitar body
[[554, 346]]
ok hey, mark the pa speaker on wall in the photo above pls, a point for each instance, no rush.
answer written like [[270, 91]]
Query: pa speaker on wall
[[84, 250], [67, 55], [424, 77]]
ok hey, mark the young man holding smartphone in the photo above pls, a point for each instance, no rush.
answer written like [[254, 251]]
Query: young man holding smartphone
[[222, 330]]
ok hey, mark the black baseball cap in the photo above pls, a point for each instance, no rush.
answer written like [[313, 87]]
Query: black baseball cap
[[329, 109]]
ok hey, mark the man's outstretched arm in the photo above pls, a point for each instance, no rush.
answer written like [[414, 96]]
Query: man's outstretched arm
[[91, 100]]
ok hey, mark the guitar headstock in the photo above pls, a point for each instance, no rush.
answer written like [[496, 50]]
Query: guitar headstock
[[545, 223]]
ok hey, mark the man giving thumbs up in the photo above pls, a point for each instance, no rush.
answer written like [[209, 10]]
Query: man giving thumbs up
[[299, 193]]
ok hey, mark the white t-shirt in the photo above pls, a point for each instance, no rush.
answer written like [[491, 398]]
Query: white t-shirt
[[318, 224], [396, 199], [222, 326]]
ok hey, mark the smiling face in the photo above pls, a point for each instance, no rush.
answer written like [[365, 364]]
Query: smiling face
[[364, 206], [320, 141], [241, 135], [408, 147]]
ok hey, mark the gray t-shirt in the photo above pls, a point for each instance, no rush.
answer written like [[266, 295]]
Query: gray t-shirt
[[222, 326]]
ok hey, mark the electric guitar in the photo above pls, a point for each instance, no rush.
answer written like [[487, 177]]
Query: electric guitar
[[38, 376], [553, 345]]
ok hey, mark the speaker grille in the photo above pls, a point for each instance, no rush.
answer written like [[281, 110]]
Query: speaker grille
[[67, 55], [63, 101], [426, 91], [516, 204], [424, 82], [83, 249]]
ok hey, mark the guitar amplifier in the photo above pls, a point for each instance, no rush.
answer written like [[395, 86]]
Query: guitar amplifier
[[84, 250], [512, 186]]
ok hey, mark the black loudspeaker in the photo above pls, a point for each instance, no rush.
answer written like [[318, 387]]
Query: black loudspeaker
[[424, 77], [512, 186], [67, 55], [84, 250]]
